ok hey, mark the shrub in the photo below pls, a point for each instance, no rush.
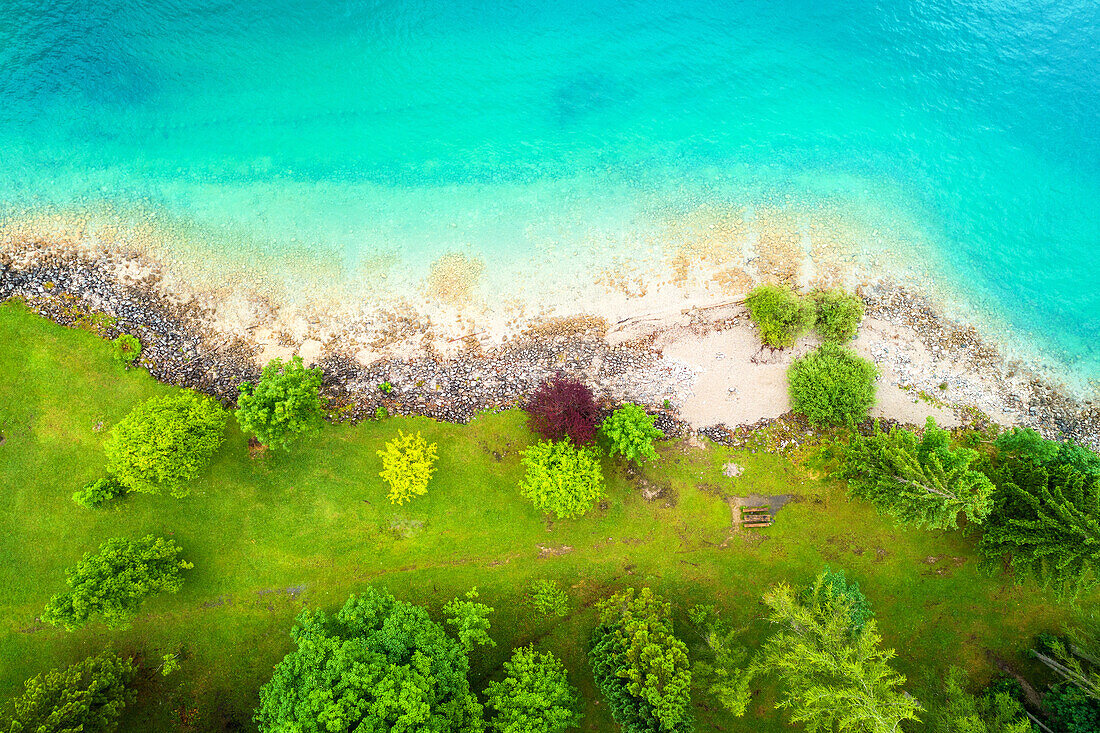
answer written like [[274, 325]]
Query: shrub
[[534, 697], [115, 581], [407, 466], [562, 479], [285, 405], [564, 408], [164, 442], [832, 386], [127, 349], [470, 619], [837, 315], [87, 696], [378, 664], [97, 493], [630, 433], [640, 666], [779, 314], [548, 599]]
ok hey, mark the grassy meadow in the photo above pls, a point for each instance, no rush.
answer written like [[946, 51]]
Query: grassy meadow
[[271, 535]]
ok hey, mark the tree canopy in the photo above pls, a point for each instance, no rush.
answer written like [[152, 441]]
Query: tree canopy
[[630, 432], [470, 620], [378, 664], [562, 479], [838, 314], [284, 405], [115, 581], [164, 442], [640, 666], [923, 480], [1047, 522], [959, 711], [831, 678], [408, 462], [86, 697], [534, 697], [564, 408]]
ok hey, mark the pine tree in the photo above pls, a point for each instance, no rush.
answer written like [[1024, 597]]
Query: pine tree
[[922, 481], [640, 666], [1048, 522], [831, 677], [958, 711]]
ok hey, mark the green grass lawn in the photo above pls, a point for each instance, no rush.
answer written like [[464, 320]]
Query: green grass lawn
[[270, 536]]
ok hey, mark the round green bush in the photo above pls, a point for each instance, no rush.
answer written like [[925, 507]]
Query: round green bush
[[630, 432], [97, 493], [779, 314], [127, 349], [832, 386], [284, 406], [838, 315], [562, 479], [164, 442]]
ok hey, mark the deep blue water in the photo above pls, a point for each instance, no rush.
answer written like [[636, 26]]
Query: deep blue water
[[554, 135]]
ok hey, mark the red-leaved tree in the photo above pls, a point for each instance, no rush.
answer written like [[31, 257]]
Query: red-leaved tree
[[564, 407]]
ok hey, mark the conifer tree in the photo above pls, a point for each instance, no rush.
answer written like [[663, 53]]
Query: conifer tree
[[958, 711], [640, 666], [832, 677], [922, 481], [1047, 521]]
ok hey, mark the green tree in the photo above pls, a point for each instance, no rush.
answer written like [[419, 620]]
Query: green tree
[[470, 619], [115, 581], [284, 405], [534, 697], [830, 678], [378, 664], [1075, 659], [832, 386], [640, 666], [779, 314], [408, 463], [923, 480], [630, 432], [562, 479], [958, 711], [164, 442], [837, 315], [1047, 521], [721, 671], [86, 697], [833, 583], [1026, 443], [548, 598]]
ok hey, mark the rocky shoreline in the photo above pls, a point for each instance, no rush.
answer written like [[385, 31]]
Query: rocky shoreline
[[180, 346]]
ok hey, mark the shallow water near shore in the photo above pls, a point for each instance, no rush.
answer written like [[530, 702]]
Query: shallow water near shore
[[559, 147]]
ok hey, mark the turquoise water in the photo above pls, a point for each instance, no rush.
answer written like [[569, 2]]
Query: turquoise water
[[551, 138]]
